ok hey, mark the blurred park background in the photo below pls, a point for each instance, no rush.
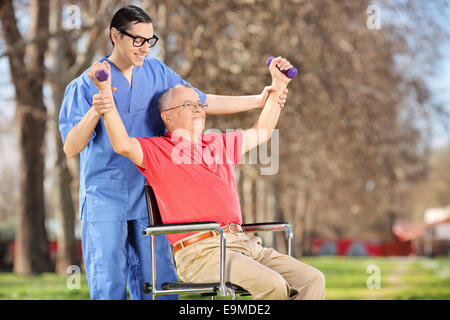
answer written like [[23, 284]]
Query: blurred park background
[[363, 158]]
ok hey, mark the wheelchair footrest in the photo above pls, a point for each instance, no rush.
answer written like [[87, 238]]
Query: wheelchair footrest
[[214, 285], [183, 285]]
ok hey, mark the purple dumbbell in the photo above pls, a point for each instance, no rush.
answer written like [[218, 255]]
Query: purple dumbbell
[[101, 75], [290, 73]]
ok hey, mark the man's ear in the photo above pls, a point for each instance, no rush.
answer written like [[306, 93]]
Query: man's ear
[[166, 118], [114, 34]]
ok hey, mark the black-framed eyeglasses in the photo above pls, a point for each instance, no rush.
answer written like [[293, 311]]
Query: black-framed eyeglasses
[[191, 105], [140, 41]]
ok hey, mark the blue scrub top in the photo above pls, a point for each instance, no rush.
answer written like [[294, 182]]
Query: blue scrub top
[[111, 187]]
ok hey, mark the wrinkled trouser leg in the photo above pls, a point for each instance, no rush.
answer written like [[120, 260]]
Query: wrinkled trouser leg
[[105, 259], [265, 273], [304, 281], [139, 255], [115, 253]]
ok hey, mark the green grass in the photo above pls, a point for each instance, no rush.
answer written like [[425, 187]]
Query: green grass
[[47, 286], [400, 277], [346, 278]]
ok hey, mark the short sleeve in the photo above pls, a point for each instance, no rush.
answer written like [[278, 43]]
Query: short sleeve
[[233, 146], [150, 151], [74, 106]]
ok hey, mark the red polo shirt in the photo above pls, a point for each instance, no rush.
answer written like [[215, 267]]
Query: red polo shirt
[[194, 182]]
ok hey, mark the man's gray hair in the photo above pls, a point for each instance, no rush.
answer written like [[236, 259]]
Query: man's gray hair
[[166, 96]]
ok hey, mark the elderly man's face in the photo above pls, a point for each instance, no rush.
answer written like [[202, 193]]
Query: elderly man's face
[[183, 112]]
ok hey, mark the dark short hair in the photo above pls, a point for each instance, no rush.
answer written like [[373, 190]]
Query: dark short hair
[[126, 16]]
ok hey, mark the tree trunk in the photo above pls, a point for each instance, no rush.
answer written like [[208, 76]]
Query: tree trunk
[[247, 196], [32, 251], [286, 207], [302, 211], [62, 197], [64, 210], [262, 210], [270, 202]]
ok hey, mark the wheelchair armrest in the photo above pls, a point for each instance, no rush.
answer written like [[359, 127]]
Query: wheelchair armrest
[[273, 226], [266, 226], [181, 228]]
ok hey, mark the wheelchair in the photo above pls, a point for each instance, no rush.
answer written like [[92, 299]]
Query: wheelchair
[[222, 288]]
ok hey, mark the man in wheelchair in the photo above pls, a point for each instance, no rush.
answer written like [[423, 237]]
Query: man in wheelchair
[[191, 173]]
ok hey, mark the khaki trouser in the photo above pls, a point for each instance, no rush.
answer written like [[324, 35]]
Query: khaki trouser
[[264, 272]]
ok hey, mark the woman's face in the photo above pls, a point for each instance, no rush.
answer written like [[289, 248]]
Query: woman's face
[[124, 44]]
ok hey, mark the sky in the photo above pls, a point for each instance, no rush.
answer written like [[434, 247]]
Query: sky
[[440, 86]]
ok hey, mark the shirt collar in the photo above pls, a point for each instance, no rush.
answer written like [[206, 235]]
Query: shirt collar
[[173, 136]]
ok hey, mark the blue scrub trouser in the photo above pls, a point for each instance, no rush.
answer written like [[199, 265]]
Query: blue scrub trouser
[[116, 253]]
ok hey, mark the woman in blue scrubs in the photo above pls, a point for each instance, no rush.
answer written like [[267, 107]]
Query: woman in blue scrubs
[[112, 204]]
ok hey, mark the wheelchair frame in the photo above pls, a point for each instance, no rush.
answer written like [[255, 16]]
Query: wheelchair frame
[[209, 289]]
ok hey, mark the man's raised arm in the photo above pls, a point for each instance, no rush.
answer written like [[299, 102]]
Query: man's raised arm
[[118, 135], [263, 127]]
